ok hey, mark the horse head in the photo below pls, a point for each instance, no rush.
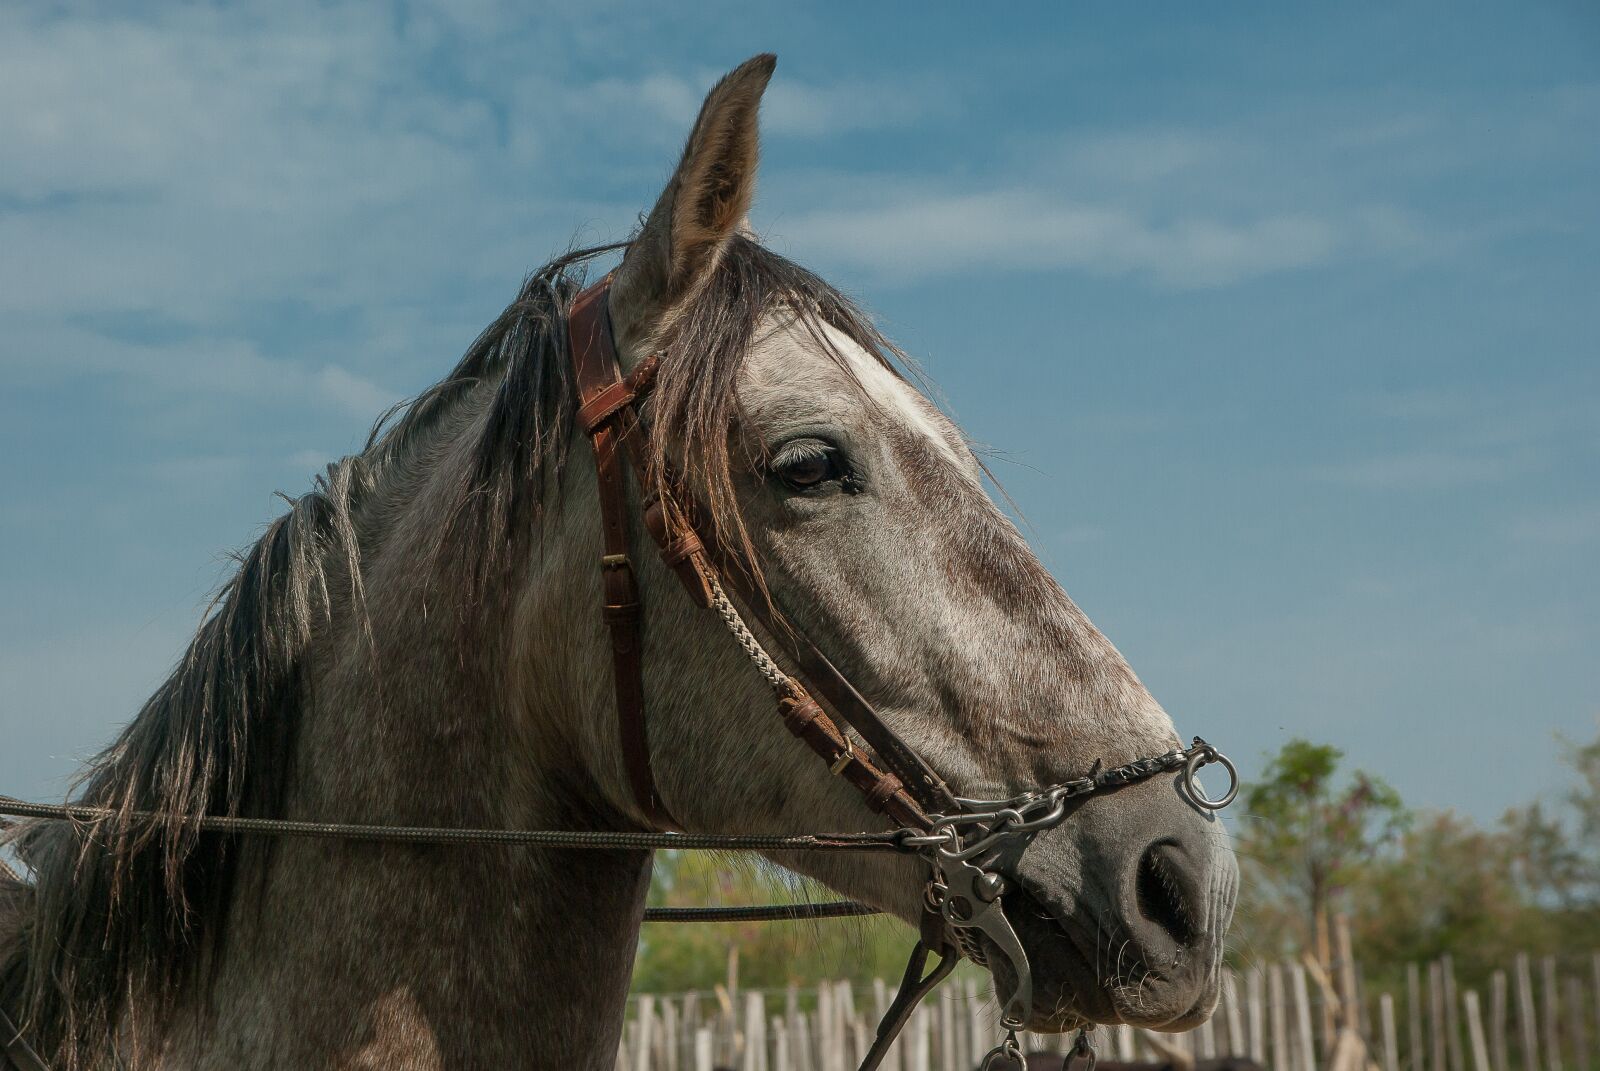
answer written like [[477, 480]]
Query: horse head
[[862, 512]]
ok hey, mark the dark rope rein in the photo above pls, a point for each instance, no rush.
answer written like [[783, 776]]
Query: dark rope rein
[[86, 819]]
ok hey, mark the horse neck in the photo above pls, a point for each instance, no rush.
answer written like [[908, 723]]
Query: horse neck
[[353, 955], [427, 958]]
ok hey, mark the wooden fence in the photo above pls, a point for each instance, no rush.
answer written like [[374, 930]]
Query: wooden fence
[[1535, 1015]]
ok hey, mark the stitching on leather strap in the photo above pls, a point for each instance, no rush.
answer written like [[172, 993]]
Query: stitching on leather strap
[[878, 795], [600, 408], [684, 546], [799, 713], [643, 376], [603, 406]]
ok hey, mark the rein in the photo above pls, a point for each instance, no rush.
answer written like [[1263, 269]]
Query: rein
[[954, 836]]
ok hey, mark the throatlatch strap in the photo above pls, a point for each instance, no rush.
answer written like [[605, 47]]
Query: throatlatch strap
[[606, 410]]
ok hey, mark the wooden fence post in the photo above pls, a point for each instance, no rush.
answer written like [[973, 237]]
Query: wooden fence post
[[1125, 1049], [795, 1041], [1302, 1013], [1436, 1047], [780, 1044], [644, 1020], [802, 1044], [669, 1035], [1256, 1014], [1527, 1024], [1497, 1021], [880, 1007], [1364, 1004], [702, 1050], [1552, 1013], [845, 995], [1278, 1008], [1480, 1048], [947, 1031], [1577, 1030], [755, 1033], [825, 1029], [1391, 1046], [1452, 1024], [1322, 952], [977, 1037], [1349, 1000], [1230, 1015], [1416, 1056], [1205, 1041], [1594, 977], [918, 1058]]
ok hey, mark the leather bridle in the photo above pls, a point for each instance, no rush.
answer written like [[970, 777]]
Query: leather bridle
[[962, 899], [954, 836]]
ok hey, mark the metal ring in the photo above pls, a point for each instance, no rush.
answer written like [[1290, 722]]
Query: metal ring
[[1201, 757]]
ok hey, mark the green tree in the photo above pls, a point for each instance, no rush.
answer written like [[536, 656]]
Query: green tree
[[1585, 798], [1449, 886], [1306, 834]]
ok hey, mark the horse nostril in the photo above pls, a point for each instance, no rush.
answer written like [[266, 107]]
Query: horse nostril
[[1158, 891]]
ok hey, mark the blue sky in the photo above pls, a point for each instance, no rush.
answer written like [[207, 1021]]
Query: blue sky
[[1279, 320]]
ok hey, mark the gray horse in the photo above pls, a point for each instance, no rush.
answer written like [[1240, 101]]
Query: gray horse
[[417, 641]]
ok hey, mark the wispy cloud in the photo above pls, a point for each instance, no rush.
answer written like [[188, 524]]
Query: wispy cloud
[[1194, 206], [1576, 526], [201, 366], [1423, 470], [920, 234], [351, 392], [1455, 436]]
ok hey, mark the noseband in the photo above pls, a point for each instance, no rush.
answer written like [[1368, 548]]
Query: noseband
[[818, 704]]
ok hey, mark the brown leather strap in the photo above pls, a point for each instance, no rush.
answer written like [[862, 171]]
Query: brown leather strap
[[605, 411], [914, 986], [884, 792]]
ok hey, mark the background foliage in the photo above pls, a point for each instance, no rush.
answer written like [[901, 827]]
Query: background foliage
[[1420, 884]]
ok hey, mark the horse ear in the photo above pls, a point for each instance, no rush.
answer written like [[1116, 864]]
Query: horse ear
[[703, 206]]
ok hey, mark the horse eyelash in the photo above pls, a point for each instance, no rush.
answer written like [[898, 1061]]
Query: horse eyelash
[[804, 450]]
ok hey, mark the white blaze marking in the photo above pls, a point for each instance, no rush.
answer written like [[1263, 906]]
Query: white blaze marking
[[894, 394]]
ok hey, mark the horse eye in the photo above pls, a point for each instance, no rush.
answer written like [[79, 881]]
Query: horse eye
[[804, 466]]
